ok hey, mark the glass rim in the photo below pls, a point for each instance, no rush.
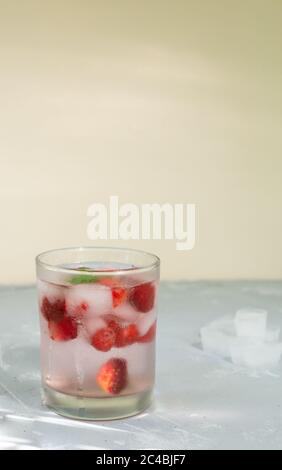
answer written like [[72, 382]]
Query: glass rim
[[139, 269]]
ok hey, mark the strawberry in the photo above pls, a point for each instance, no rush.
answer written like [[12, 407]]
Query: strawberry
[[104, 339], [142, 297], [54, 311], [119, 294], [113, 323], [63, 330], [83, 307], [150, 335], [112, 376], [109, 281], [126, 336], [78, 310]]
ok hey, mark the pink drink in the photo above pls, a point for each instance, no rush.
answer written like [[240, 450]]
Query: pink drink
[[98, 332]]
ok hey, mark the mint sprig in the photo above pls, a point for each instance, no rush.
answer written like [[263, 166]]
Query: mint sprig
[[83, 279]]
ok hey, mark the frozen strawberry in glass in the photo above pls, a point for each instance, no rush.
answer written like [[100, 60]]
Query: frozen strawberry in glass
[[98, 318]]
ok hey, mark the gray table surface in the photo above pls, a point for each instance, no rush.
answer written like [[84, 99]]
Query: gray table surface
[[202, 402]]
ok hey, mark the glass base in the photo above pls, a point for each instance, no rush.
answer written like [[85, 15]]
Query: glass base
[[93, 409]]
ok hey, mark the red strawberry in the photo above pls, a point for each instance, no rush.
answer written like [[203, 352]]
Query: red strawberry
[[119, 294], [150, 335], [79, 310], [104, 339], [142, 297], [63, 330], [109, 282], [113, 323], [112, 376], [54, 311], [126, 336]]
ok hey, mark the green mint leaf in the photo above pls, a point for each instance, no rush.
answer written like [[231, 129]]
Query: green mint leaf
[[83, 279]]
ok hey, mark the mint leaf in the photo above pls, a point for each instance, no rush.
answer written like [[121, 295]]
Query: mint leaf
[[83, 279]]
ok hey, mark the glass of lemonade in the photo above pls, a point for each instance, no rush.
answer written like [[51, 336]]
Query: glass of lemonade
[[98, 317]]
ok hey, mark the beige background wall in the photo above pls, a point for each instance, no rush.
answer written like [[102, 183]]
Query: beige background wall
[[154, 101]]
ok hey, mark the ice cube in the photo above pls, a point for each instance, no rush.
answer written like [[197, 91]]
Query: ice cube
[[254, 353], [141, 363], [224, 324], [145, 321], [58, 361], [272, 334], [90, 299], [251, 322], [215, 342], [91, 324], [216, 336], [51, 291], [126, 313]]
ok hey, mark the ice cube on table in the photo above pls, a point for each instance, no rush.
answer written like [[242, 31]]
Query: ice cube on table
[[89, 299], [215, 342], [224, 324], [272, 334], [254, 353], [251, 322], [217, 335]]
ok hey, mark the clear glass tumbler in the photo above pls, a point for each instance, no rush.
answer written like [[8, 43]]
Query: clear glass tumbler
[[98, 315]]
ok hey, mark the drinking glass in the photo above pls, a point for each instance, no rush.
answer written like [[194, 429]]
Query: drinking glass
[[98, 317]]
